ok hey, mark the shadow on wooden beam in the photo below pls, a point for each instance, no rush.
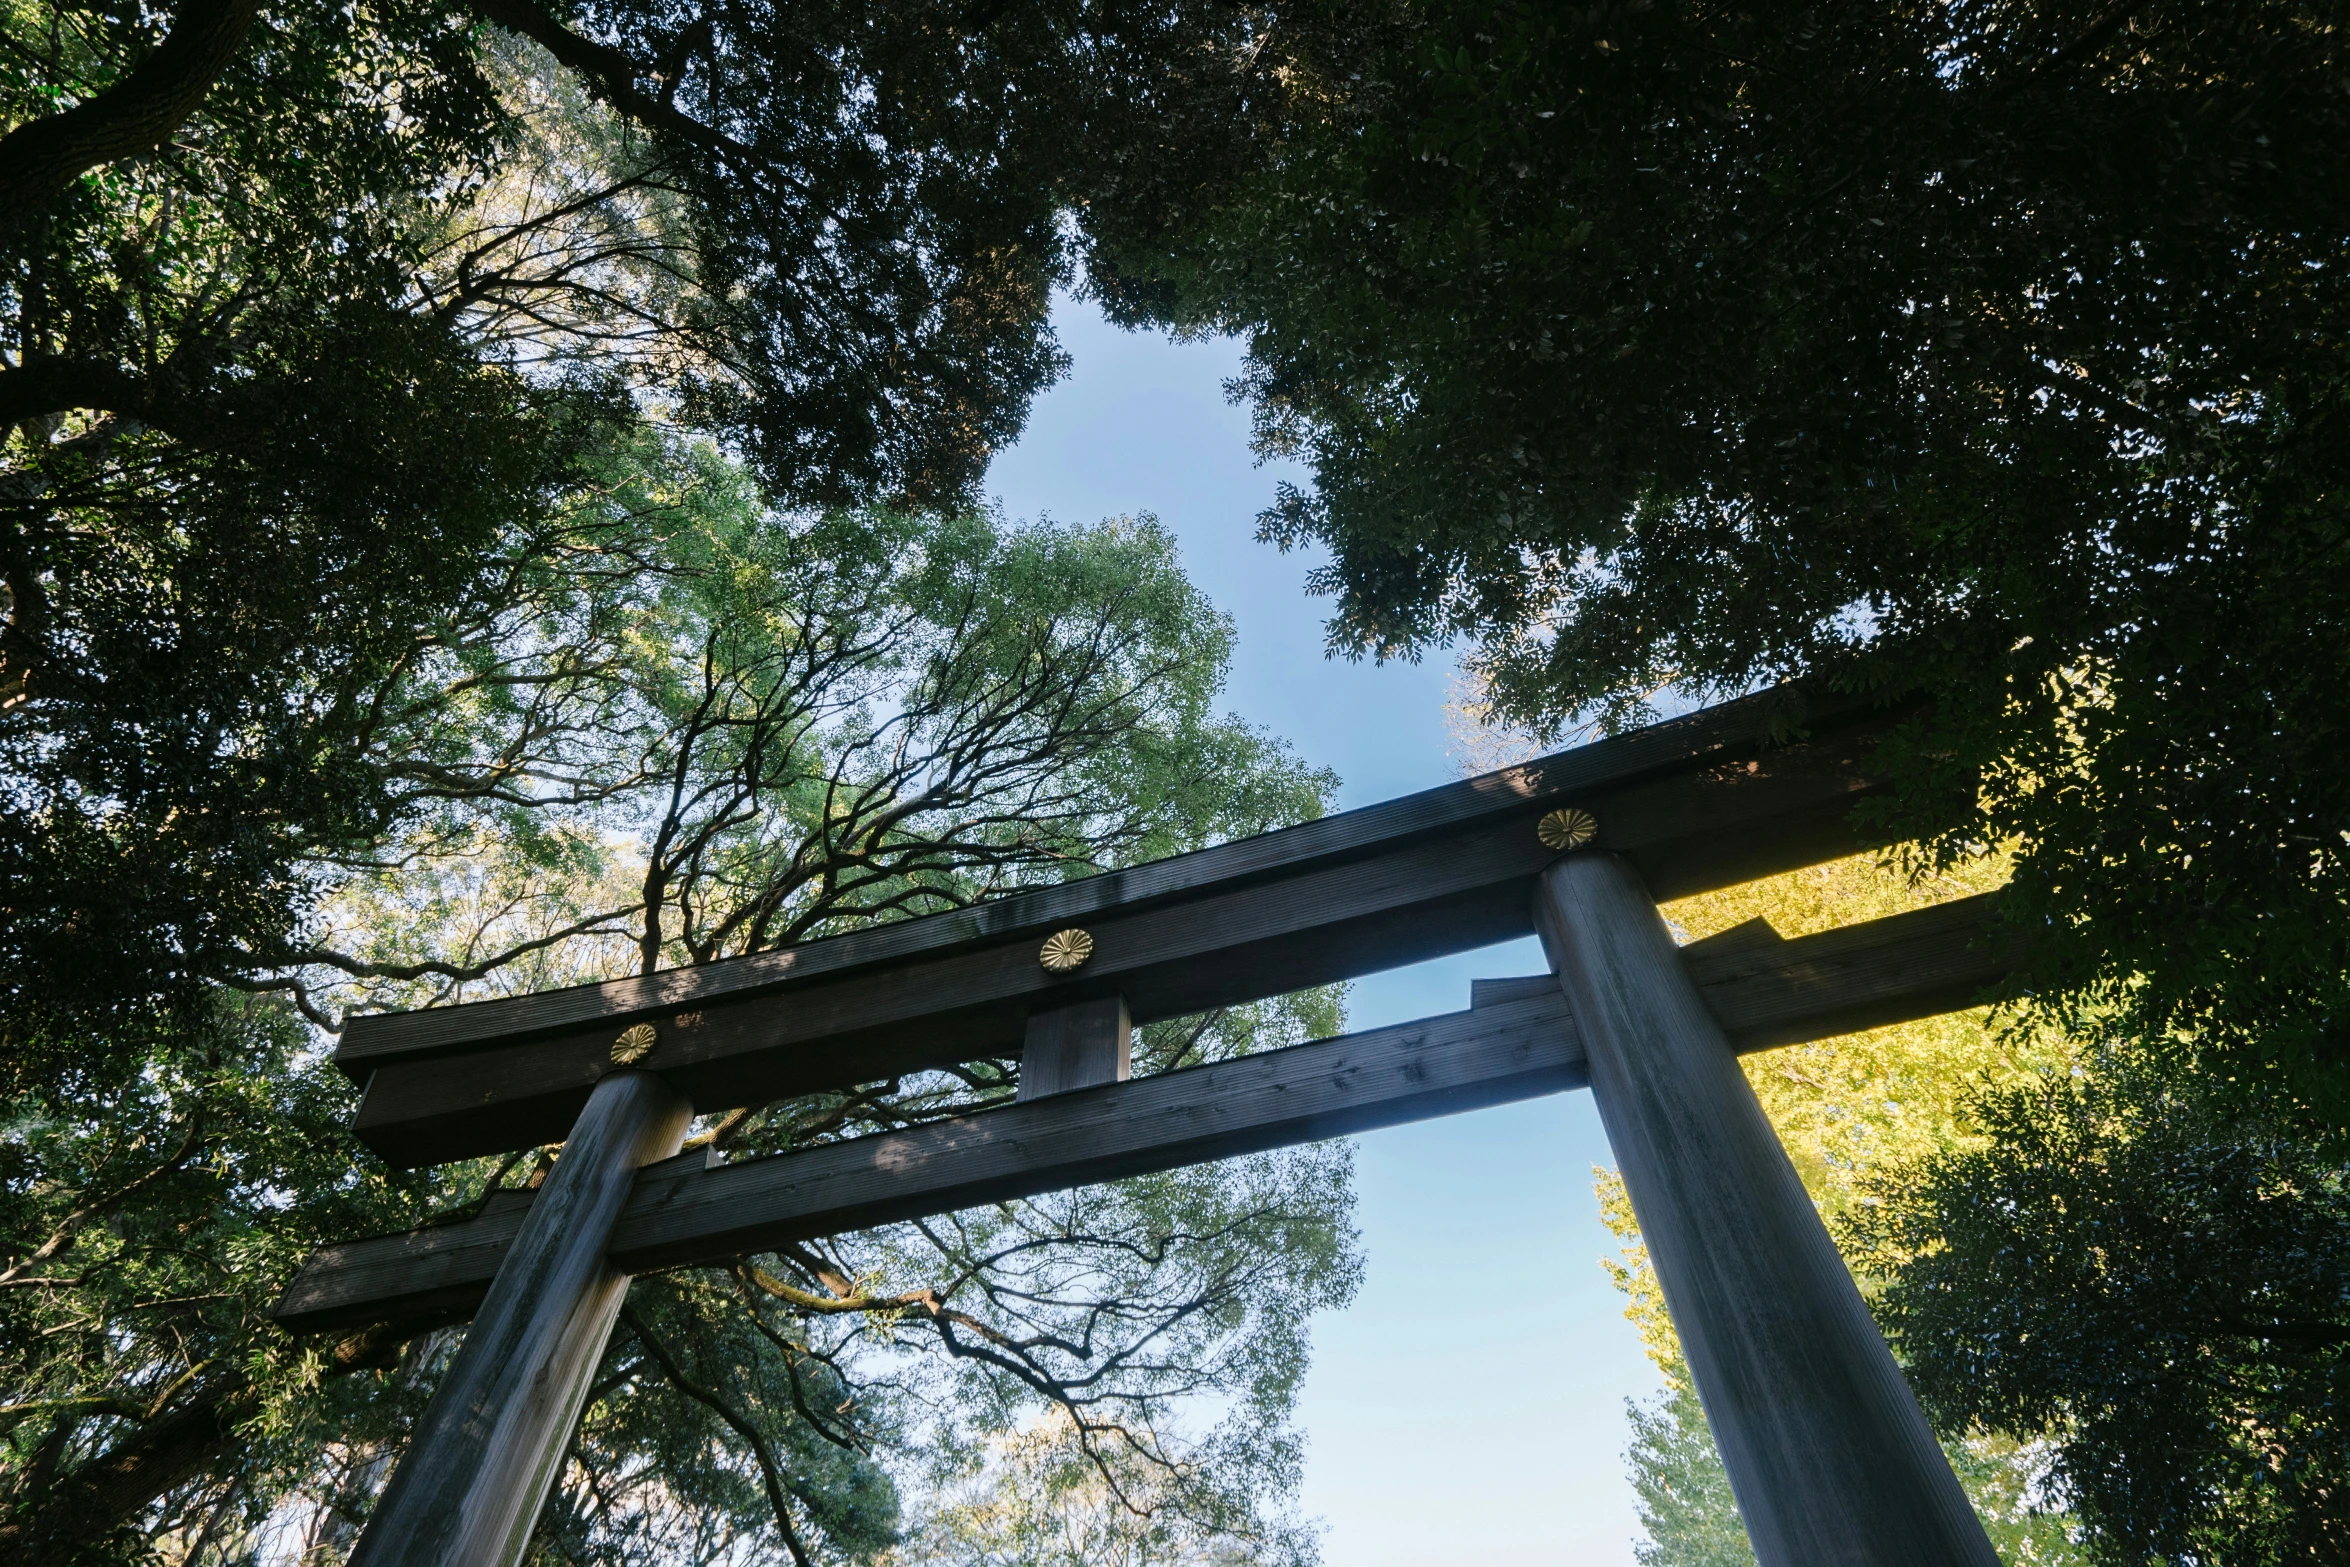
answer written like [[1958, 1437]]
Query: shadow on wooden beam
[[1704, 802], [1517, 1041]]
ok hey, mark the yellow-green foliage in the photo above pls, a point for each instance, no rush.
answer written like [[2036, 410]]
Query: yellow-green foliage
[[1845, 1107], [1889, 1096], [1842, 1106]]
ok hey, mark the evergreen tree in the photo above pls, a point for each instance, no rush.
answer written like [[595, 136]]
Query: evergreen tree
[[2160, 1292]]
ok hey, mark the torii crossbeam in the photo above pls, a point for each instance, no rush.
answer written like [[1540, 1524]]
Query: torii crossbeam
[[1827, 1452]]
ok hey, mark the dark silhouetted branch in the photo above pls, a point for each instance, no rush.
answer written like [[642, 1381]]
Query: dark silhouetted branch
[[135, 115]]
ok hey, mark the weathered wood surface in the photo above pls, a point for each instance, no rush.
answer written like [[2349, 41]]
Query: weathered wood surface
[[1430, 1068], [1830, 1458], [685, 1212], [469, 1486], [1391, 899], [1719, 734], [1766, 990], [1073, 1047], [1928, 961]]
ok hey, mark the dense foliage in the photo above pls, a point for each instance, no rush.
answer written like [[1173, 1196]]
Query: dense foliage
[[1992, 348], [310, 320], [2163, 1290], [485, 503], [148, 1230], [703, 727], [240, 470]]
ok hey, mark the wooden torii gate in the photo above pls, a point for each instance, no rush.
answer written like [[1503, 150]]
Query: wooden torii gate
[[1828, 1454]]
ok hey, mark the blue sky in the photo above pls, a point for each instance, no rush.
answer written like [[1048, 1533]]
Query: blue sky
[[1470, 1405]]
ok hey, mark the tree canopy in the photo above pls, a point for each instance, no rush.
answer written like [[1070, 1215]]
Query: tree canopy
[[1994, 349], [312, 324], [488, 500], [702, 727], [2158, 1286]]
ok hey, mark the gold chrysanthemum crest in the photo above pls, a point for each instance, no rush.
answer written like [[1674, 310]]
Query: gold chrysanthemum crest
[[635, 1045], [1566, 829], [1065, 951]]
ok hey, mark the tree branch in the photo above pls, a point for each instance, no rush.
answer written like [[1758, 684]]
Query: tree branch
[[158, 1457], [41, 387], [71, 1225], [612, 74], [770, 1470], [135, 115]]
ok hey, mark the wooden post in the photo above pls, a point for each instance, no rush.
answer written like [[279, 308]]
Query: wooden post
[[1079, 1046], [1829, 1455], [469, 1488]]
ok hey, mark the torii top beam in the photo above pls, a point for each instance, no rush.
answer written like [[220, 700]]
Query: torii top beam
[[1748, 789]]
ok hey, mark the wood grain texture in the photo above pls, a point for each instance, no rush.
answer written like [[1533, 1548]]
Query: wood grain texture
[[469, 1487], [1080, 1046], [1766, 990], [1911, 965], [438, 1275], [1217, 945], [1901, 967], [1830, 1458], [685, 1212], [1717, 736]]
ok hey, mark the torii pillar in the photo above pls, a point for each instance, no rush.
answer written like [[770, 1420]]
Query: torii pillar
[[468, 1490], [1830, 1457]]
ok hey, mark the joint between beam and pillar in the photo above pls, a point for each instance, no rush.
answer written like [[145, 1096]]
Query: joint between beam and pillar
[[1082, 1045]]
